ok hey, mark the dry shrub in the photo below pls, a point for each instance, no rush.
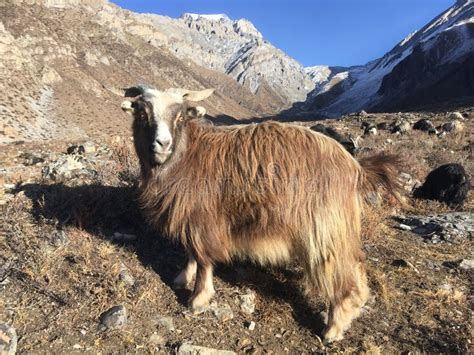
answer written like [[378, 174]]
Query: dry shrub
[[123, 167], [373, 220], [370, 348], [380, 285]]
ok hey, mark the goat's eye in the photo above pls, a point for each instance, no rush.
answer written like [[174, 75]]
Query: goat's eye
[[142, 115]]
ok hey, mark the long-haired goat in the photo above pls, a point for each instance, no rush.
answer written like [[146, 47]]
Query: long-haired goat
[[268, 192]]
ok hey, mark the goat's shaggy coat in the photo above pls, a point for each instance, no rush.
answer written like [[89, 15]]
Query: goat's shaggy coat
[[269, 192]]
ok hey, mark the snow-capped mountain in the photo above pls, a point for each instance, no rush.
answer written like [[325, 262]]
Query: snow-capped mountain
[[432, 64]]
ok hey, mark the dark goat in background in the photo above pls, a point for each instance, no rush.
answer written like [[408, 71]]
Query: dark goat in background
[[448, 183]]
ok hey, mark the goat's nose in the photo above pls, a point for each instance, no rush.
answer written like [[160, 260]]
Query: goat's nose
[[163, 143]]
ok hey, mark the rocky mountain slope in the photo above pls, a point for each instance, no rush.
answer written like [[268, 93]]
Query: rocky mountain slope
[[235, 48], [435, 63], [60, 80]]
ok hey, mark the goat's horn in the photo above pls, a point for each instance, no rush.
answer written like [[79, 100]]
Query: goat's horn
[[136, 90]]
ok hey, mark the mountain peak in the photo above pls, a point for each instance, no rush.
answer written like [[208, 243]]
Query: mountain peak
[[209, 17]]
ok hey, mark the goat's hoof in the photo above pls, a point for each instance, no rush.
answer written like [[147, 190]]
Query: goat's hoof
[[179, 285], [200, 302], [332, 334], [198, 309], [180, 282]]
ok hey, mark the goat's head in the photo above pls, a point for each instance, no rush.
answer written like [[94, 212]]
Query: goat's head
[[158, 119]]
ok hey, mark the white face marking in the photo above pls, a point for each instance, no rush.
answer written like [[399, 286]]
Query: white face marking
[[163, 139]]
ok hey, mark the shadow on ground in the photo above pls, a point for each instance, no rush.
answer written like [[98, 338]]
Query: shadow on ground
[[102, 210]]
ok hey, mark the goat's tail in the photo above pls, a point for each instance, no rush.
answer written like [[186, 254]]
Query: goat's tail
[[381, 170]]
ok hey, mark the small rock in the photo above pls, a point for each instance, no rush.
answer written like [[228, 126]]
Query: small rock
[[404, 227], [222, 313], [166, 322], [64, 168], [251, 325], [126, 276], [188, 349], [467, 264], [244, 342], [247, 302], [114, 318], [30, 159], [58, 238], [8, 339], [156, 339], [408, 183], [89, 147]]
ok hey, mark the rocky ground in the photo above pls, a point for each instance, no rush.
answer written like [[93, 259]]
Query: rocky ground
[[80, 271]]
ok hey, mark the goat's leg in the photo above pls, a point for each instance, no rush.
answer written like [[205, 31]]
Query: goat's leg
[[186, 275], [203, 289], [342, 312]]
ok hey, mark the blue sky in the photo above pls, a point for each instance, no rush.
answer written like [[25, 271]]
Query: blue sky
[[333, 32]]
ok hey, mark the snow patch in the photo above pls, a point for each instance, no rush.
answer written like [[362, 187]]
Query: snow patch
[[210, 17]]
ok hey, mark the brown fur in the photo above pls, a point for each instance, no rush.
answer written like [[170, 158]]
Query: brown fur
[[269, 192]]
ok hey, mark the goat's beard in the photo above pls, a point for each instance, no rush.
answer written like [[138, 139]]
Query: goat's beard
[[160, 158]]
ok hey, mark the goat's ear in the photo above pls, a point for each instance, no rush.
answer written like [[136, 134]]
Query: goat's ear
[[198, 95], [127, 106], [137, 107], [195, 112]]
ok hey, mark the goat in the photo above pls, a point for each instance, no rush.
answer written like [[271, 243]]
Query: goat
[[268, 192], [425, 125], [448, 183], [349, 144]]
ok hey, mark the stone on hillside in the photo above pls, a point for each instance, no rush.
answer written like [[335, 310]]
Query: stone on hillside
[[247, 302], [58, 238], [467, 264], [64, 168], [89, 147], [8, 339], [223, 313], [156, 339], [30, 159], [451, 227], [166, 323], [126, 276], [188, 349], [408, 182], [114, 318]]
